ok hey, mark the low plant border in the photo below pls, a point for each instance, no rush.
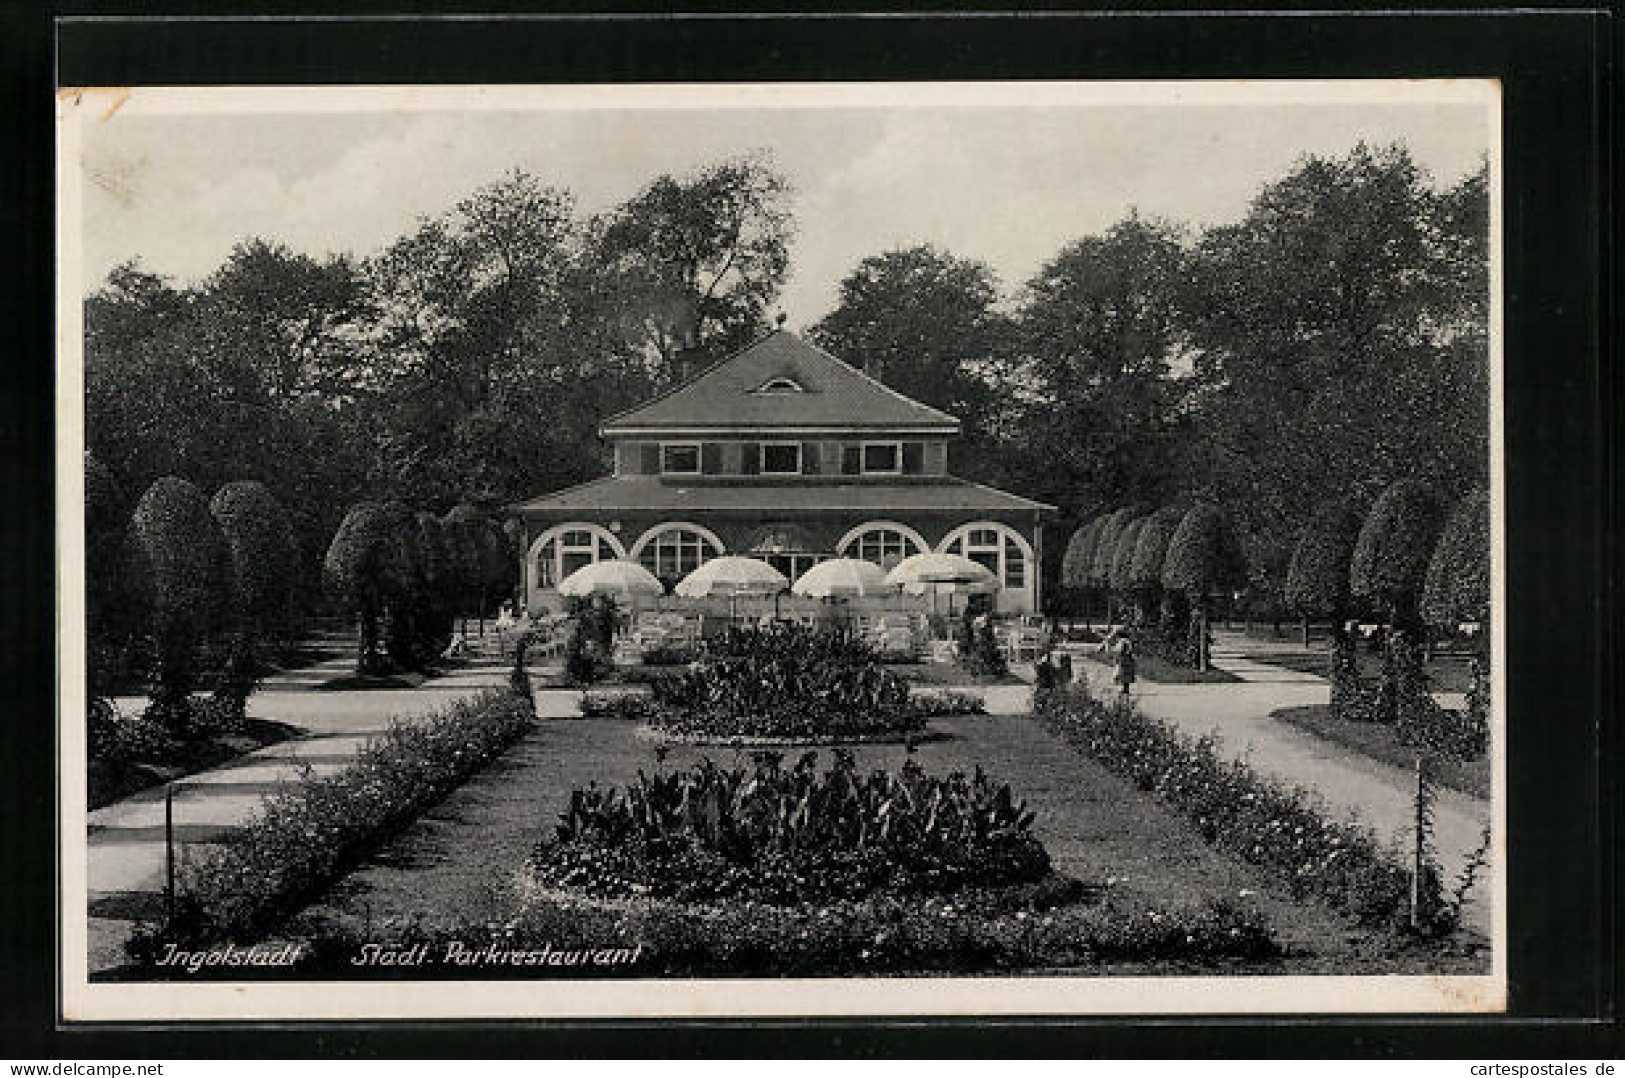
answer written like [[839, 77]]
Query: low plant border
[[650, 732], [1236, 809], [554, 934], [311, 834]]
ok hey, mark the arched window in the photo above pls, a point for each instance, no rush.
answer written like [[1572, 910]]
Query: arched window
[[560, 551], [672, 551], [882, 542], [1000, 548]]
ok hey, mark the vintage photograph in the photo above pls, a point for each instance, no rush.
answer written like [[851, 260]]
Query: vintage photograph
[[869, 548]]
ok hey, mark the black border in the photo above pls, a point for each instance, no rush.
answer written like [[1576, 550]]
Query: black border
[[1555, 67]]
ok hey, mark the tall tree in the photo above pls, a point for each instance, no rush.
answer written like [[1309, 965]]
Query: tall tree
[[1100, 337], [1335, 348], [926, 323], [261, 559], [180, 561], [696, 261]]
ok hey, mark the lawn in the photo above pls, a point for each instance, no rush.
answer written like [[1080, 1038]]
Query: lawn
[[1380, 743], [456, 863], [1157, 669]]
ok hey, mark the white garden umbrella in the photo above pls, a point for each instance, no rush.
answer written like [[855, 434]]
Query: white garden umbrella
[[732, 576], [619, 577], [842, 578], [948, 574]]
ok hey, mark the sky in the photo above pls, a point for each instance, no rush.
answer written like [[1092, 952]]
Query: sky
[[1006, 184]]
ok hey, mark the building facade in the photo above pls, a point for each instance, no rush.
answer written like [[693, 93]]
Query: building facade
[[781, 452]]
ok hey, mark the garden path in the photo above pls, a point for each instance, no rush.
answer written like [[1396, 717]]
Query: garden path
[[125, 853], [1237, 714]]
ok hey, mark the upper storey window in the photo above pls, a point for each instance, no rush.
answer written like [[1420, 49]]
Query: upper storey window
[[882, 458], [680, 458], [781, 458]]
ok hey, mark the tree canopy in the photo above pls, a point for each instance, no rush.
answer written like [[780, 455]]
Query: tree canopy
[[1395, 545], [1203, 556], [1458, 579], [1317, 580]]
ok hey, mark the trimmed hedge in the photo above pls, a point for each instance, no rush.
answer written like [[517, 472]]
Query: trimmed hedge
[[1018, 929], [1151, 548], [307, 837], [1236, 809], [1396, 544], [1077, 565], [1013, 929], [1121, 578], [1317, 578], [1458, 580]]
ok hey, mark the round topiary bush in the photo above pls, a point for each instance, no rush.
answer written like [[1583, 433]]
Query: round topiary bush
[[262, 562], [1317, 577], [369, 568], [1203, 558], [181, 563], [1122, 571], [1100, 571], [1458, 579], [1395, 545], [1080, 554]]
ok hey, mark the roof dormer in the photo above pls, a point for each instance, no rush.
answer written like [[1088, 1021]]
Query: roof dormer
[[781, 384]]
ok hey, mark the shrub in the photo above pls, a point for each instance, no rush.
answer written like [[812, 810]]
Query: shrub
[[1122, 570], [1077, 564], [262, 562], [1042, 926], [1395, 544], [1458, 578], [368, 568], [180, 560], [979, 648], [1100, 572], [1317, 578], [1203, 557], [667, 655], [1235, 808], [945, 702], [788, 835], [587, 651], [785, 681], [617, 705], [306, 837], [1151, 548], [1388, 569], [1011, 929], [114, 617]]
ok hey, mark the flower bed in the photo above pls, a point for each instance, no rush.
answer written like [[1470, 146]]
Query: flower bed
[[642, 707], [789, 835], [306, 837], [1235, 808], [785, 682]]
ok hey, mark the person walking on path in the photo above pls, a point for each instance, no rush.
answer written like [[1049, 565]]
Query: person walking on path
[[1121, 647]]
